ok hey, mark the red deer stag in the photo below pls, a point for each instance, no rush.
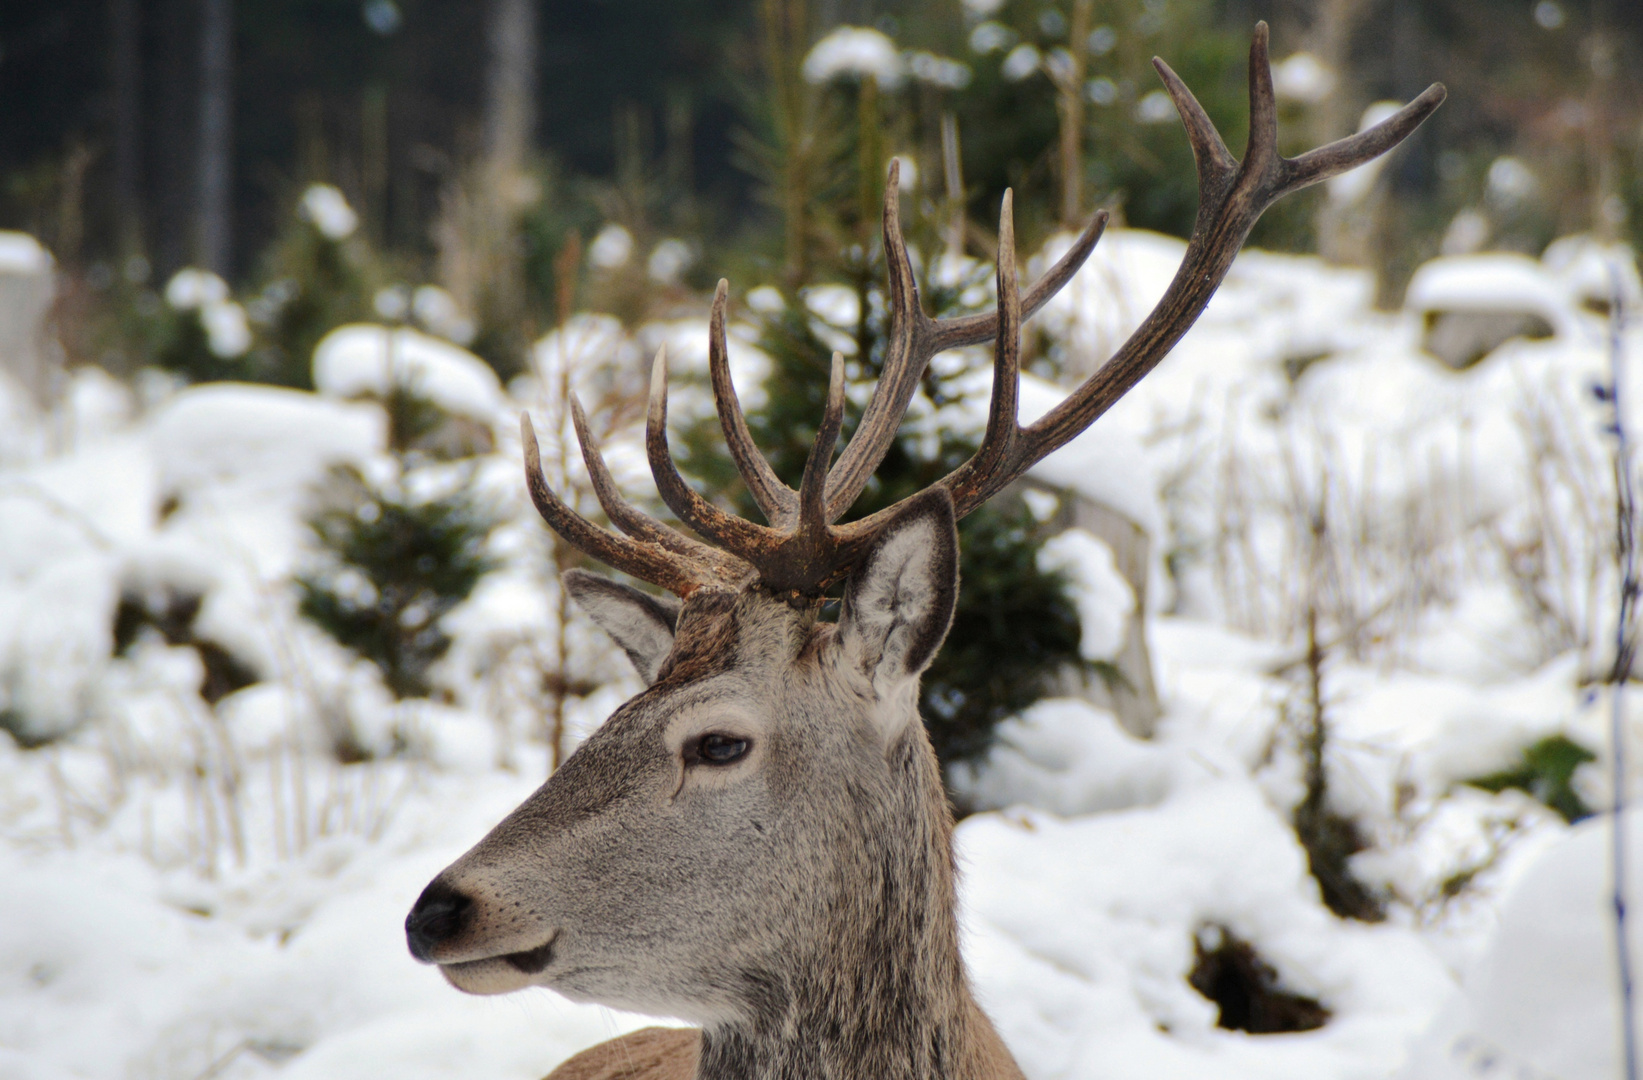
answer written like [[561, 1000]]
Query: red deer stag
[[759, 843]]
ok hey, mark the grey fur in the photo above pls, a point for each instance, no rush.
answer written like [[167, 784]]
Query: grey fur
[[640, 623], [797, 904]]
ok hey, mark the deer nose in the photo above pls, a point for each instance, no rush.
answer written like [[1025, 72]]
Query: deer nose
[[438, 916]]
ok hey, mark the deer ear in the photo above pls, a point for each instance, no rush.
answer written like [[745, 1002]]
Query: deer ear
[[899, 602], [642, 624]]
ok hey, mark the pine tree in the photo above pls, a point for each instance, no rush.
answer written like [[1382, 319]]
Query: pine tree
[[319, 274], [394, 563]]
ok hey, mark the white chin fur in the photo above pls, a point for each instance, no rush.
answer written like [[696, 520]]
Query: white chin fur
[[484, 977]]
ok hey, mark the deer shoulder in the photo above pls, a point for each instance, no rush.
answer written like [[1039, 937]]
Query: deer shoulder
[[654, 1053]]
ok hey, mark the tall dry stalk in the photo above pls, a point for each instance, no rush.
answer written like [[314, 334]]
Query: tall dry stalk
[[1625, 646], [559, 451]]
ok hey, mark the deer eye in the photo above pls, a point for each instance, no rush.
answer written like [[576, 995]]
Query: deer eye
[[716, 749]]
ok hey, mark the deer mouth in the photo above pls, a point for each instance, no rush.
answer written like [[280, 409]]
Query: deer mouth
[[500, 974], [532, 961]]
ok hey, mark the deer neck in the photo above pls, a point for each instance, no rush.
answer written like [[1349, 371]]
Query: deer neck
[[880, 990]]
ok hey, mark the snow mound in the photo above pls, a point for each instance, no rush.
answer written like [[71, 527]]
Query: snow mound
[[1105, 600], [364, 360], [1111, 293], [854, 52], [21, 253], [1105, 463], [1492, 282], [1081, 937], [1543, 999], [1069, 757], [261, 440], [63, 527]]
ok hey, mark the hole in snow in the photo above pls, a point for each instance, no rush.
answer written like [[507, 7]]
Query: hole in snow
[[1232, 974], [172, 613]]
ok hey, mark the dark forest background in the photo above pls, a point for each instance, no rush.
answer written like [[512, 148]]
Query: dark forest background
[[141, 136]]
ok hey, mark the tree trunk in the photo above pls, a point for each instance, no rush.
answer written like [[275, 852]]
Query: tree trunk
[[510, 83], [216, 148], [125, 81]]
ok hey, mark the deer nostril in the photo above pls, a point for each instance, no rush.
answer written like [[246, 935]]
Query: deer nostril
[[437, 917]]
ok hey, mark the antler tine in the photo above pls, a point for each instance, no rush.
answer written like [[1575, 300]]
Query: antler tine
[[1216, 165], [905, 310], [649, 562], [813, 486], [1261, 151], [1348, 153], [778, 501], [915, 338], [905, 357], [630, 519], [974, 329], [1231, 197], [740, 537], [1002, 411]]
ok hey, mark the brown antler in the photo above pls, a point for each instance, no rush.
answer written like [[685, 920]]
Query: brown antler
[[1232, 195], [914, 339], [801, 552]]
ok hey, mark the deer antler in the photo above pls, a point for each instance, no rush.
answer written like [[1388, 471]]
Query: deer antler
[[801, 553], [1232, 195]]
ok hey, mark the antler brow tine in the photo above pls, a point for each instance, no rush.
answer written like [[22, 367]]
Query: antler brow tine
[[670, 570]]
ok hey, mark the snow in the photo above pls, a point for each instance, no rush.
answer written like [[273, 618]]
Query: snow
[[22, 254], [1302, 77], [1105, 600], [1093, 968], [1510, 180], [1155, 107], [1496, 281], [194, 886], [669, 259], [439, 312], [1104, 463], [990, 36], [854, 52], [228, 334], [1020, 62], [940, 71], [191, 288], [327, 209], [1542, 999], [1071, 758], [1594, 271], [611, 248], [366, 360]]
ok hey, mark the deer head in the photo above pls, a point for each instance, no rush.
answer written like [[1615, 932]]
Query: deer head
[[759, 841]]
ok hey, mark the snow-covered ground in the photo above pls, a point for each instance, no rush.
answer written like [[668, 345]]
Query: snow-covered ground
[[196, 890]]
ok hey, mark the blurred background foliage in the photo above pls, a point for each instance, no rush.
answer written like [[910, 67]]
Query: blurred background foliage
[[143, 136]]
